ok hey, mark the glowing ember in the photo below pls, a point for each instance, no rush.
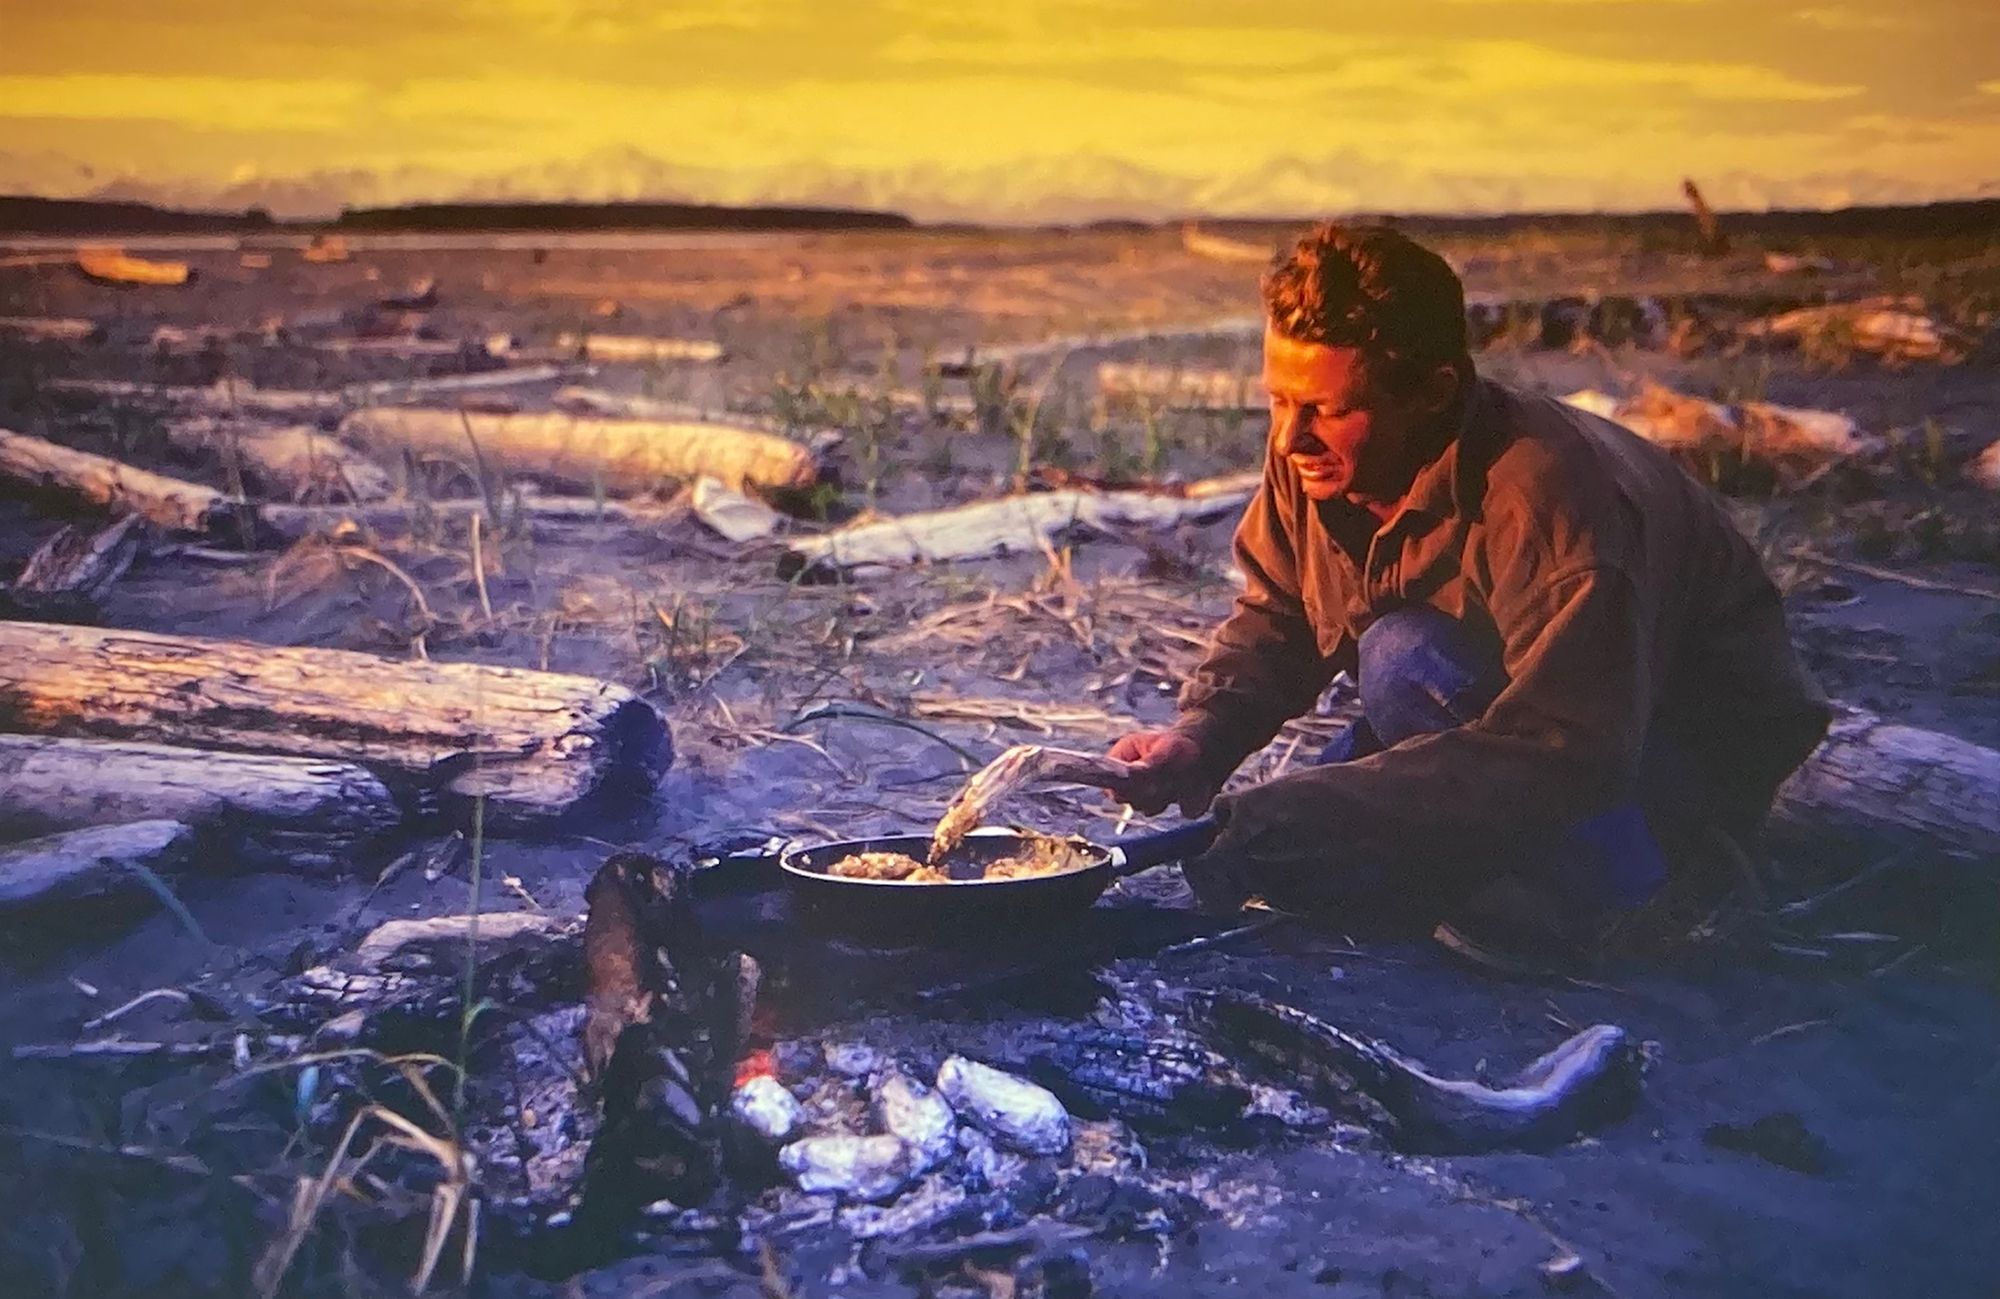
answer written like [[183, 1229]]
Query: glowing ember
[[758, 1064]]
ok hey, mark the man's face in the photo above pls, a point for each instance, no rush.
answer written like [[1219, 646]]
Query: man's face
[[1347, 438]]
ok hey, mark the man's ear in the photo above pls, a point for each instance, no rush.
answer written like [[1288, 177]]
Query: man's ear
[[1439, 389]]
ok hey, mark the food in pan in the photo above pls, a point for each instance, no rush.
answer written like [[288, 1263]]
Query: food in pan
[[886, 866], [1038, 855]]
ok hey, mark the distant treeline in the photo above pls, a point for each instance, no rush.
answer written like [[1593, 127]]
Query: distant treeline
[[1961, 218], [614, 216], [22, 214]]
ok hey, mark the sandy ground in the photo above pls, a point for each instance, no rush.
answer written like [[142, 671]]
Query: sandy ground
[[1894, 1069]]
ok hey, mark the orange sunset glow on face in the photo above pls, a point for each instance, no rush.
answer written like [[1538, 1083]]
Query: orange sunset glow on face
[[1045, 110]]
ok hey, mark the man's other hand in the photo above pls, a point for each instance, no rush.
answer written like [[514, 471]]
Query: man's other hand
[[1167, 768]]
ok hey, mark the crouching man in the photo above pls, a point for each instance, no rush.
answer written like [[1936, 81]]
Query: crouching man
[[1567, 655]]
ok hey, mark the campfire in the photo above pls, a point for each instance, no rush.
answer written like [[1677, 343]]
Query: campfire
[[643, 1084]]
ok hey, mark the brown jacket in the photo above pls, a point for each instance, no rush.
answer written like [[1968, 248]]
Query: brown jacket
[[1625, 603]]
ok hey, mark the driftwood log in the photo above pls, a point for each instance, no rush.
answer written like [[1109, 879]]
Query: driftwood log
[[1138, 382], [229, 397], [1221, 249], [629, 347], [535, 744], [1787, 437], [1985, 468], [292, 461], [291, 522], [51, 329], [263, 807], [1008, 354], [1875, 779], [82, 561], [36, 466], [1011, 525], [90, 863], [620, 456]]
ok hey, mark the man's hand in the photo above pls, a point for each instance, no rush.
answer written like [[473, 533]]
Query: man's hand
[[1167, 768]]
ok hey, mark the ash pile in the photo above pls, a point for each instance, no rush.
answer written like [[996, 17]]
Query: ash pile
[[619, 1097]]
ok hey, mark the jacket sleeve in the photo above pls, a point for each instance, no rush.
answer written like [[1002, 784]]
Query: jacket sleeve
[[1263, 666], [1561, 741]]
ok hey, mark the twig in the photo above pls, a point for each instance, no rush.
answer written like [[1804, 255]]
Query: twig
[[863, 713], [1788, 1030], [1891, 575], [479, 571], [110, 1017], [1206, 941]]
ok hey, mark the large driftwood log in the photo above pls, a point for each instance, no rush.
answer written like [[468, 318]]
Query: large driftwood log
[[1181, 389], [39, 466], [1788, 437], [229, 397], [1878, 779], [299, 810], [291, 522], [1013, 524], [535, 744], [90, 863], [295, 461], [622, 456]]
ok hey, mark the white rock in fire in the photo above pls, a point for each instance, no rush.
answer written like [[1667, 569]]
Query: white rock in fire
[[1014, 1111], [855, 1168], [765, 1107], [906, 1108]]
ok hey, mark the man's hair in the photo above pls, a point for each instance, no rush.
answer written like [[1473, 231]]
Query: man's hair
[[1372, 288]]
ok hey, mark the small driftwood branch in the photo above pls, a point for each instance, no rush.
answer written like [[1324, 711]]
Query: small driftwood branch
[[535, 744], [621, 456]]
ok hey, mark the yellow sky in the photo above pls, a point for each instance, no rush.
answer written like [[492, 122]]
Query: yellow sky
[[999, 110]]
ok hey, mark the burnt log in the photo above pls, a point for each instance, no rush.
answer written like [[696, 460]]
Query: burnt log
[[666, 1018], [1591, 1078], [96, 862], [620, 456], [299, 811], [535, 745], [35, 466]]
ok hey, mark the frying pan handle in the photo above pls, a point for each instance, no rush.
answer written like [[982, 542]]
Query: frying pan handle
[[1142, 851]]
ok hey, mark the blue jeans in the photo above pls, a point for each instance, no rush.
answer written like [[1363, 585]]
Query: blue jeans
[[1423, 671]]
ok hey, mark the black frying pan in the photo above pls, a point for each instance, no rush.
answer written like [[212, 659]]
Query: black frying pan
[[967, 906]]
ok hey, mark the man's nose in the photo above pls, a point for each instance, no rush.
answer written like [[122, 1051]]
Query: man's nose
[[1293, 433]]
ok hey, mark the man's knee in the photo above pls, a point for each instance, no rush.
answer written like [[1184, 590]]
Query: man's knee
[[1424, 671]]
